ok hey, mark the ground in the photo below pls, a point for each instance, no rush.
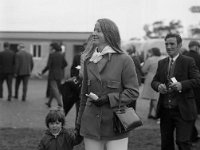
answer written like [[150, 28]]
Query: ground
[[22, 123]]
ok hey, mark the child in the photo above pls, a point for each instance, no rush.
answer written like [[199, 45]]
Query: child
[[56, 136]]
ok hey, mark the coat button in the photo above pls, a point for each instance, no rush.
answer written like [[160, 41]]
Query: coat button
[[97, 116]]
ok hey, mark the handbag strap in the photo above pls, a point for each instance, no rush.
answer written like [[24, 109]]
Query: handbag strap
[[119, 106]]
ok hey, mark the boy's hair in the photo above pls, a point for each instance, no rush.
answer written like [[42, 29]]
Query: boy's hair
[[55, 114]]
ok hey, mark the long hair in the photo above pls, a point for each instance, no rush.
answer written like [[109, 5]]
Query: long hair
[[89, 47], [87, 53], [111, 34]]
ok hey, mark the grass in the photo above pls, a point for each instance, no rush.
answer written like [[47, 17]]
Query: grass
[[27, 139]]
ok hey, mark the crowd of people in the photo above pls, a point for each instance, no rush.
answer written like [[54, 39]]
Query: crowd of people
[[171, 85], [18, 65]]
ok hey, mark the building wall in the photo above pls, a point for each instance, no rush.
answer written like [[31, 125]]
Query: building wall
[[40, 63]]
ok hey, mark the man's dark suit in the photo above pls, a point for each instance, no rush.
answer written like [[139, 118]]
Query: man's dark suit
[[1, 84], [196, 58], [23, 67], [7, 60], [184, 115]]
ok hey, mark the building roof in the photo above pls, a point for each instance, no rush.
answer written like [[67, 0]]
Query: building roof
[[30, 35]]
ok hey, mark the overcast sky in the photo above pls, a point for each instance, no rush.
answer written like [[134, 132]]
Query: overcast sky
[[81, 15]]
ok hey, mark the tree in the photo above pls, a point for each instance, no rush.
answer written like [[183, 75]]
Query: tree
[[194, 31], [159, 29]]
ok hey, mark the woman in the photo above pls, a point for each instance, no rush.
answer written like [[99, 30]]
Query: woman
[[149, 68], [109, 73]]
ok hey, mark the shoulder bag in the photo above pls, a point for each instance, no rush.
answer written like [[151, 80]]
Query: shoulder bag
[[125, 119]]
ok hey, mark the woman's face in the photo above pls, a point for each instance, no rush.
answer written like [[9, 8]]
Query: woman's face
[[98, 36]]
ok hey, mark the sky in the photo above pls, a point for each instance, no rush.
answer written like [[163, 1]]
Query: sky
[[81, 15]]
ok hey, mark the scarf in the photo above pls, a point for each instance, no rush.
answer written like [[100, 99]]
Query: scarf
[[97, 56]]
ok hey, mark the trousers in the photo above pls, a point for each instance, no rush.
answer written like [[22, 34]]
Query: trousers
[[170, 122], [121, 144]]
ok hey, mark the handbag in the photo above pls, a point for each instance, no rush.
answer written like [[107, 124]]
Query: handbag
[[125, 119]]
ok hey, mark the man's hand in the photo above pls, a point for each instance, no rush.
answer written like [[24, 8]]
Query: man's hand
[[162, 89], [176, 86]]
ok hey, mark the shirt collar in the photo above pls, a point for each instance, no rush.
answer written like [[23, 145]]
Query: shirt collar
[[174, 58]]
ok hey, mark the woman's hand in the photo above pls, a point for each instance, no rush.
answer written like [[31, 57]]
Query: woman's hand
[[101, 101]]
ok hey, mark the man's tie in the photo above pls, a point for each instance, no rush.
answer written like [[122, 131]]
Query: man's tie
[[170, 70]]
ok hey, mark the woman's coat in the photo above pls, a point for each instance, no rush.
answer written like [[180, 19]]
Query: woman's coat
[[115, 76]]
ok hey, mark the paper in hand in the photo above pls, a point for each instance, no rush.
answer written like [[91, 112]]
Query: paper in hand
[[174, 80], [92, 96]]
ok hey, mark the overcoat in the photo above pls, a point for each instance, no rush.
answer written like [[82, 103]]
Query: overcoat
[[150, 67], [187, 74], [23, 63], [196, 58], [115, 76], [7, 61], [56, 64]]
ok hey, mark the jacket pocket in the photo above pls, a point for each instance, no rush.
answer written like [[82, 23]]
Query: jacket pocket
[[88, 103], [113, 84]]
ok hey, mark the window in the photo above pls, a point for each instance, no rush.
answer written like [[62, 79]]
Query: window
[[36, 51]]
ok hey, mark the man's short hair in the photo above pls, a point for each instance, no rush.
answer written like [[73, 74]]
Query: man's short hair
[[193, 43], [177, 36], [56, 46], [6, 44], [20, 46]]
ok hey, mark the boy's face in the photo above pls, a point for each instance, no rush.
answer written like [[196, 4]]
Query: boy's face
[[55, 127]]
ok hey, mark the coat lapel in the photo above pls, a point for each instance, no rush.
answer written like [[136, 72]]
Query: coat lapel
[[178, 64], [101, 65], [94, 70]]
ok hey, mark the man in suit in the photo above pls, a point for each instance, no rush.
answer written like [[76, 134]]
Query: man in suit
[[7, 58], [1, 72], [175, 79], [56, 64], [23, 68], [194, 47]]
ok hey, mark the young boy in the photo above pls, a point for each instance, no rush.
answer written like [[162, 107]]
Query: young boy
[[56, 136]]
